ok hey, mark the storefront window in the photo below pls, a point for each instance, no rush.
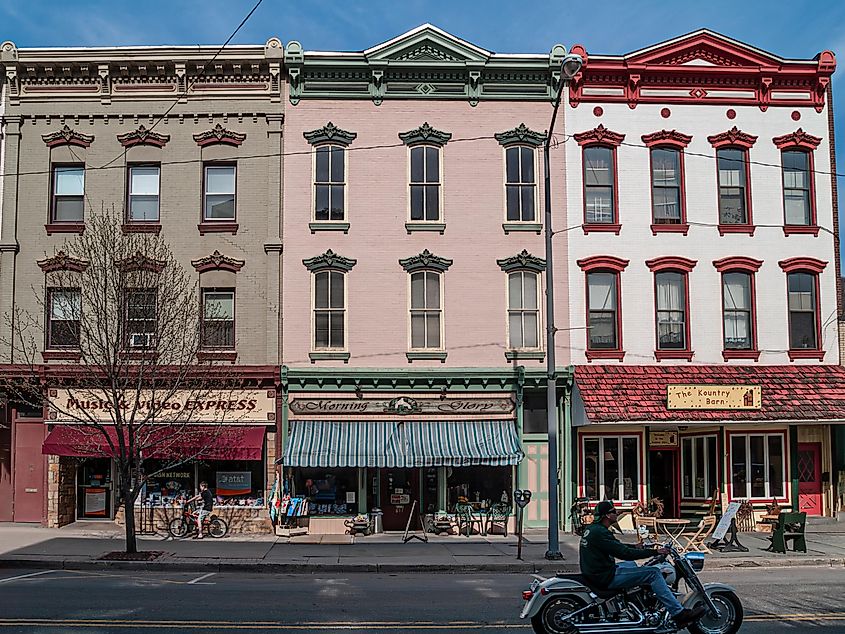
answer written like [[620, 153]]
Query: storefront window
[[234, 482], [329, 492], [534, 413], [607, 473], [479, 484], [169, 486], [757, 464], [94, 488], [698, 466]]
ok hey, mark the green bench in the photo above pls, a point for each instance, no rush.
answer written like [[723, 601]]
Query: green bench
[[789, 527]]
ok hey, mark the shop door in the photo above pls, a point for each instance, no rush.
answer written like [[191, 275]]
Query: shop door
[[29, 472], [399, 490], [663, 479], [810, 478], [94, 489]]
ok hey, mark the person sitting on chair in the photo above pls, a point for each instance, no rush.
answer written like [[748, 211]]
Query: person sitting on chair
[[596, 558]]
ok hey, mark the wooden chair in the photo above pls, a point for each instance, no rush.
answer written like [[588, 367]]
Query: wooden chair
[[467, 519], [650, 523], [714, 501], [695, 539], [790, 527], [498, 514]]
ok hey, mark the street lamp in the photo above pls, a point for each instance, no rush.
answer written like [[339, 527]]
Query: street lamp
[[569, 67]]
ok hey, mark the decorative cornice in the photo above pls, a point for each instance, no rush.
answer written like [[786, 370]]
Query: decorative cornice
[[599, 135], [329, 260], [667, 137], [523, 261], [140, 262], [521, 134], [603, 263], [219, 134], [797, 139], [68, 136], [733, 137], [63, 262], [738, 263], [802, 264], [217, 262], [426, 261], [330, 133], [425, 134], [143, 136], [671, 263]]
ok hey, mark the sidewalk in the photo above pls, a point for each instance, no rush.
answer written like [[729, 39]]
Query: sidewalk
[[79, 546]]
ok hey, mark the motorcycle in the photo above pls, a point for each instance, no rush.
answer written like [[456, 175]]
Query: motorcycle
[[568, 604]]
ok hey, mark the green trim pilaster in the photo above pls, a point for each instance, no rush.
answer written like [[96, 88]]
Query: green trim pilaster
[[570, 480], [441, 488], [793, 465], [362, 490], [646, 436], [521, 471]]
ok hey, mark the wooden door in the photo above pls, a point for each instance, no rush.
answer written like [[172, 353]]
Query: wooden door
[[535, 478], [810, 478], [399, 489], [30, 483]]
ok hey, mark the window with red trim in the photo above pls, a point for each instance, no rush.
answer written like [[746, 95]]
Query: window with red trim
[[599, 185], [734, 195], [738, 310], [802, 290], [603, 324], [798, 195], [64, 311], [666, 186], [671, 317], [758, 466]]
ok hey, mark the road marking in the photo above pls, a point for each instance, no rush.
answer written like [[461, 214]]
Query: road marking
[[31, 574], [261, 625], [198, 579]]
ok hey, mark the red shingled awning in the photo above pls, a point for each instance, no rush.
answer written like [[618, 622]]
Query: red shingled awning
[[195, 441]]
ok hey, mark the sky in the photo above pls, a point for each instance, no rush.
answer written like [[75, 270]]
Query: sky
[[794, 29]]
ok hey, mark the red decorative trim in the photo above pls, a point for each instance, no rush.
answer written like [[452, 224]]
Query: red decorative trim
[[62, 262], [754, 355], [602, 262], [663, 355], [217, 262], [61, 355], [602, 228], [141, 262], [64, 227], [617, 355], [749, 229], [738, 263], [733, 137], [667, 228], [672, 138], [665, 113], [598, 111], [671, 263], [143, 136], [141, 227], [796, 116], [802, 264], [68, 136], [806, 354], [731, 114], [812, 230], [599, 136], [797, 139], [219, 134], [218, 227], [217, 355]]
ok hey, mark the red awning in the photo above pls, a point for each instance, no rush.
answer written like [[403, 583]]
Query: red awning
[[195, 441]]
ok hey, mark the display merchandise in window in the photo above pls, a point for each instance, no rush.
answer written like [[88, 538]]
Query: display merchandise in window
[[333, 492], [234, 482], [481, 486]]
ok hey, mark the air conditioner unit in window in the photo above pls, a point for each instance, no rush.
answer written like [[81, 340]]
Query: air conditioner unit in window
[[141, 340]]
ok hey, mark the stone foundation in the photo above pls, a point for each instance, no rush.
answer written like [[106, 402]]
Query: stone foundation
[[61, 491], [241, 520]]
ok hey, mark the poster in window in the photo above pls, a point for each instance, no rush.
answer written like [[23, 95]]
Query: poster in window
[[234, 483], [95, 501]]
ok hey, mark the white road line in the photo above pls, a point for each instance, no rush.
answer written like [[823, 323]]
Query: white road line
[[198, 579], [31, 574]]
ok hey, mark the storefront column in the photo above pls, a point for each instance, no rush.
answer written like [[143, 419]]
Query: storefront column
[[725, 468], [793, 465], [568, 473], [838, 463], [362, 491]]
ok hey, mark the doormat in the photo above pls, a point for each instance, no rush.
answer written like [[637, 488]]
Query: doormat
[[144, 555]]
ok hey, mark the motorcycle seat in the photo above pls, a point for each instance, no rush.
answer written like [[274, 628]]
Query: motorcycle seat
[[601, 593]]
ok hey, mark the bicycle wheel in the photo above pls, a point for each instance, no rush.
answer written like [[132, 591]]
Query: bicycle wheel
[[178, 527], [217, 527]]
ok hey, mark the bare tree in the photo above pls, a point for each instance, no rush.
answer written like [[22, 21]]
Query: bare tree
[[128, 315]]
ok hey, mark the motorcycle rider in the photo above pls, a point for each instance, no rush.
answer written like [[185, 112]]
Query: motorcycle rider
[[597, 552]]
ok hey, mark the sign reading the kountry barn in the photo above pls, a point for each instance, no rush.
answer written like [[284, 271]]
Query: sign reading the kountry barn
[[714, 397]]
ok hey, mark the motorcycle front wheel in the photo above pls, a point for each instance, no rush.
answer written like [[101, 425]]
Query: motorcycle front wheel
[[729, 619], [217, 527], [177, 527], [551, 618]]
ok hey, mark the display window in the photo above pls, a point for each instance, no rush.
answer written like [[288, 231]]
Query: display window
[[233, 482], [168, 486], [328, 491], [479, 485], [94, 488]]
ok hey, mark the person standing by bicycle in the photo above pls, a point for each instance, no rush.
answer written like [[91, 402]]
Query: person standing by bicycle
[[207, 506]]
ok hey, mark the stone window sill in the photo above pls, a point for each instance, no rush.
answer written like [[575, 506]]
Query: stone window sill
[[675, 228], [661, 355], [528, 227], [328, 226], [439, 227], [141, 227], [329, 355], [64, 227], [426, 355], [806, 354], [61, 355], [741, 354], [789, 230], [601, 228], [218, 227], [617, 355], [747, 229], [517, 355], [217, 355]]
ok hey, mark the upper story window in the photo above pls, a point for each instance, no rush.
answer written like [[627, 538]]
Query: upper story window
[[602, 312], [425, 183], [329, 310], [520, 184], [734, 198], [599, 185], [68, 199], [803, 311], [738, 311], [666, 185], [426, 311], [523, 310], [330, 183], [144, 193], [141, 317], [671, 307], [799, 198], [219, 194], [218, 318], [63, 318]]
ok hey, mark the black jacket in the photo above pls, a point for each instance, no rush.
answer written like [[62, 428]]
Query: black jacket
[[597, 552]]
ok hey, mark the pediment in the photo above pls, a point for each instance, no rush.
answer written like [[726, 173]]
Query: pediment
[[703, 48], [427, 44]]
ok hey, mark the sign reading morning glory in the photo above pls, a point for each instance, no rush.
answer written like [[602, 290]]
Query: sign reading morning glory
[[714, 397], [401, 405]]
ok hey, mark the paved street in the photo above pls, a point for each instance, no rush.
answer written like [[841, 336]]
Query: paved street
[[797, 599]]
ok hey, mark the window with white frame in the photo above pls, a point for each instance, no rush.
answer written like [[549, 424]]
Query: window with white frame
[[603, 316], [671, 310], [68, 203], [425, 183], [330, 183], [520, 184], [758, 466], [611, 468], [796, 187], [666, 185], [699, 465], [523, 310], [732, 186], [803, 311], [426, 311], [738, 311], [63, 317], [598, 185], [144, 193], [141, 317], [329, 310], [220, 186], [218, 318]]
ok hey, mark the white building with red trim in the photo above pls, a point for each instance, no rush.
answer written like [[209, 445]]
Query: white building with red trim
[[702, 234]]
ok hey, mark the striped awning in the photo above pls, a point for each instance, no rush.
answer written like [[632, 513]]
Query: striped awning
[[402, 444]]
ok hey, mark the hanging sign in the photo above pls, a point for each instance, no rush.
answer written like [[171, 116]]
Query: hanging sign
[[714, 397], [662, 439], [234, 483]]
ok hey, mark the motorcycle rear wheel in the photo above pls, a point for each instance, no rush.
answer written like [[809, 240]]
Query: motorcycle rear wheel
[[177, 527], [550, 618], [217, 527], [729, 619]]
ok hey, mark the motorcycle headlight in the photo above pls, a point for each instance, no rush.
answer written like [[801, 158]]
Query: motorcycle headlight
[[696, 560]]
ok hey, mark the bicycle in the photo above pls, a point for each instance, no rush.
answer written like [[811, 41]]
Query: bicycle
[[577, 512], [186, 524]]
